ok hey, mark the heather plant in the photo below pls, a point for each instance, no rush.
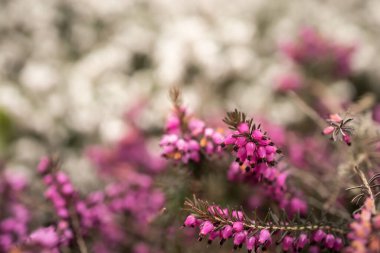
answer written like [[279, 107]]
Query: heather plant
[[312, 225], [302, 205], [243, 182]]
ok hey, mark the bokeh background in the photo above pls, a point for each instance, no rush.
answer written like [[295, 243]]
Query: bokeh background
[[70, 70]]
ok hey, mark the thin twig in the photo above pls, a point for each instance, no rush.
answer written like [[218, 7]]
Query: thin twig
[[307, 109], [78, 235]]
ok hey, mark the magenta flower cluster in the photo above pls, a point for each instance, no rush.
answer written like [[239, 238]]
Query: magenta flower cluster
[[132, 169], [254, 151], [224, 225], [187, 138], [128, 170], [62, 195], [77, 217], [99, 212]]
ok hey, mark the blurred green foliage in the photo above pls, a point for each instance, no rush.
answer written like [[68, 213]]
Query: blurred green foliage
[[6, 130]]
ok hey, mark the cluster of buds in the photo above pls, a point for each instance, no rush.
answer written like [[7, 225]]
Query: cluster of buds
[[130, 194], [339, 128], [217, 223], [77, 217], [254, 151], [365, 230], [319, 55], [62, 194], [187, 138], [14, 216]]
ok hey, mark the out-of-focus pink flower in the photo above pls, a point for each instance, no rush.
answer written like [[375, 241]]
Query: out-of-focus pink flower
[[318, 55], [339, 128], [298, 205], [188, 140], [289, 81]]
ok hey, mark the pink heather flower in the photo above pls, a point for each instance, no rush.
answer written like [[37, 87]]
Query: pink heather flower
[[238, 226], [329, 241], [206, 228], [179, 149], [338, 245], [214, 209], [328, 130], [185, 141], [319, 235], [302, 240], [213, 235], [298, 205], [287, 243], [173, 124], [227, 232], [68, 189], [239, 238], [61, 177], [264, 236], [339, 128], [250, 243], [281, 180], [196, 126], [190, 221], [254, 151], [347, 139], [45, 237], [43, 165], [237, 215], [243, 128]]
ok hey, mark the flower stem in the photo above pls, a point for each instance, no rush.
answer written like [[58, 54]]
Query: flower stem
[[307, 109]]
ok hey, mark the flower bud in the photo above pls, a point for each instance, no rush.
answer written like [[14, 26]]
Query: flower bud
[[206, 228], [238, 226], [190, 221]]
